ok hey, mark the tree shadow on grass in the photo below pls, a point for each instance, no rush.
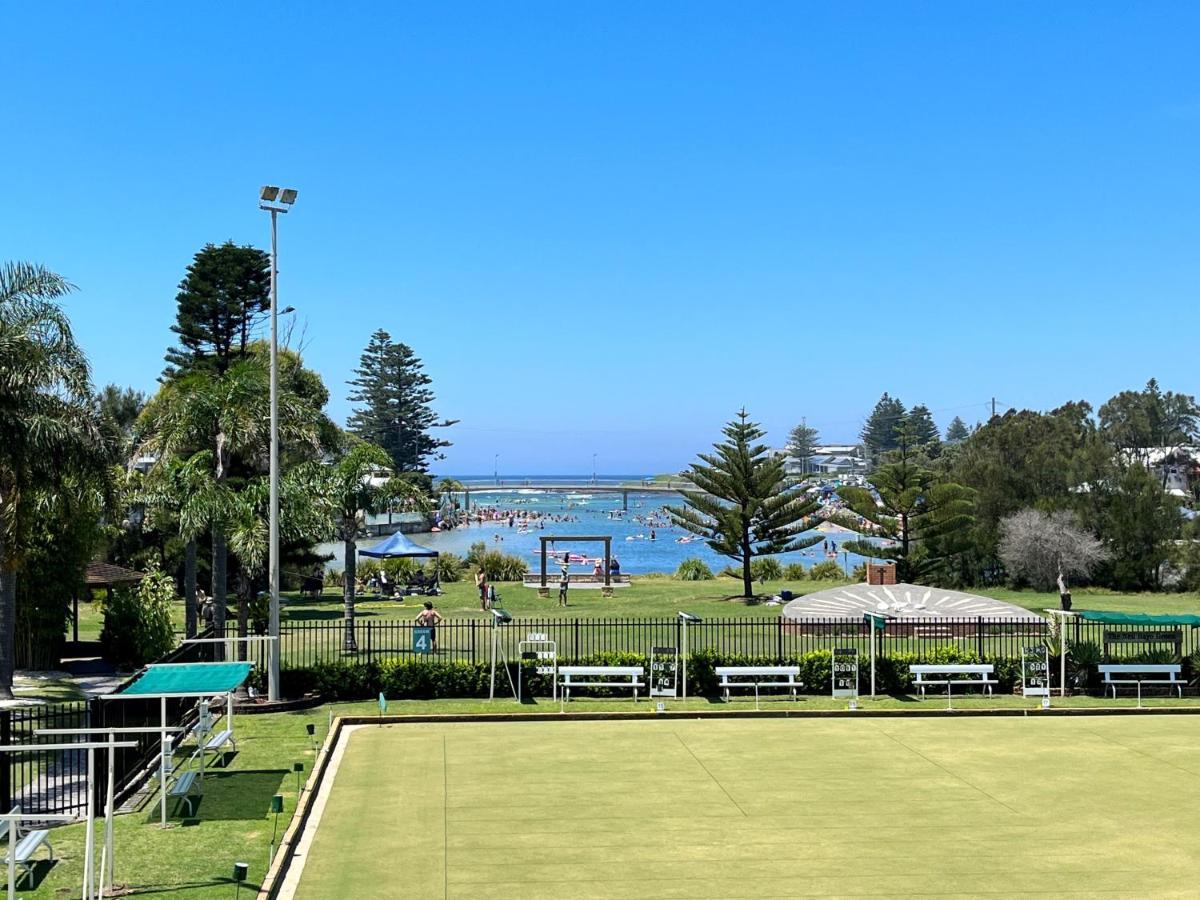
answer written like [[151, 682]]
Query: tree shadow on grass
[[227, 796], [249, 887]]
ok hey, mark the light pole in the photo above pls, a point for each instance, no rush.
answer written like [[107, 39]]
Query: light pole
[[496, 469], [593, 469], [274, 201]]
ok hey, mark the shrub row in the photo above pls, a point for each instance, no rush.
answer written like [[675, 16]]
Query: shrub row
[[430, 679]]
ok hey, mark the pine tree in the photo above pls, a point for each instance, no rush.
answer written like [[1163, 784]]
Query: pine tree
[[802, 445], [394, 399], [957, 432], [746, 505], [925, 517], [922, 429], [879, 432], [226, 290]]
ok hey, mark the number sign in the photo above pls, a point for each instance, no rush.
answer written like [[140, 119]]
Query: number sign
[[845, 672], [1035, 671], [422, 640], [664, 671]]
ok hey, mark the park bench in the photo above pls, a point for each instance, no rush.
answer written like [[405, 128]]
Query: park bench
[[599, 676], [1141, 673], [759, 677], [217, 740], [949, 674], [23, 845], [182, 787]]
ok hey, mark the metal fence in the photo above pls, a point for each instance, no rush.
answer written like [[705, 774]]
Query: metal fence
[[43, 781], [307, 644]]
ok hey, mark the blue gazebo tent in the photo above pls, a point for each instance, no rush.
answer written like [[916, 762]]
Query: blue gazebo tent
[[399, 546]]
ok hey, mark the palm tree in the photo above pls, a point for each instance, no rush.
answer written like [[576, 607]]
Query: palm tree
[[355, 489], [226, 418], [48, 428]]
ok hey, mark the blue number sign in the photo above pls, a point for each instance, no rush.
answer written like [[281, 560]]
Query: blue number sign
[[422, 640]]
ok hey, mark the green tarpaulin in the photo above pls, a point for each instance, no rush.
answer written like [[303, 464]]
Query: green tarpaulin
[[190, 678], [1117, 618]]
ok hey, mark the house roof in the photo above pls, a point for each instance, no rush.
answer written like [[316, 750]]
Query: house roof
[[102, 574]]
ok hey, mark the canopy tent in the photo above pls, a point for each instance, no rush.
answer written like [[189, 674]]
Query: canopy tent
[[395, 546], [1119, 618], [399, 546]]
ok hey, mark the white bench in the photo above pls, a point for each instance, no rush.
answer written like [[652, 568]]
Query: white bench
[[625, 677], [26, 843], [948, 674], [1141, 673], [760, 677], [182, 787], [220, 739]]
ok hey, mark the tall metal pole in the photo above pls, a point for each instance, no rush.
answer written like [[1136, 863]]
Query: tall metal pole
[[273, 564]]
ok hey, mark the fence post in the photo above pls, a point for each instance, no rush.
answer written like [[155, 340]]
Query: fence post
[[472, 621], [979, 637], [575, 643], [779, 641], [6, 800], [369, 645]]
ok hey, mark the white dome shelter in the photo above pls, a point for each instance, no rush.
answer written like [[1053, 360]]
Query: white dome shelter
[[902, 601]]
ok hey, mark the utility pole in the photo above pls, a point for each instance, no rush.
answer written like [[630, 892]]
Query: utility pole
[[993, 407]]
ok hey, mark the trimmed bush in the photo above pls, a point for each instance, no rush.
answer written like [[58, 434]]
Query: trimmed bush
[[827, 571], [766, 568], [693, 569], [795, 572]]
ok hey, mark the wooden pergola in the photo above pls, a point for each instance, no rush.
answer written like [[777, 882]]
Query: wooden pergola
[[606, 539], [104, 575]]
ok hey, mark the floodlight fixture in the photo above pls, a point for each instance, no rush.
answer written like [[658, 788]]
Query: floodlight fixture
[[500, 616], [270, 192], [287, 196], [287, 310], [689, 618]]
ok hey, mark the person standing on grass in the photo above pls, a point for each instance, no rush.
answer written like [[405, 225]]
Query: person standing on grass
[[564, 579], [482, 586], [430, 618]]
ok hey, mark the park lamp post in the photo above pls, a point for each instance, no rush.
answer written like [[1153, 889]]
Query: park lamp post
[[275, 201]]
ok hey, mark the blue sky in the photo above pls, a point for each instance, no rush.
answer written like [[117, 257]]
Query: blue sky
[[605, 227]]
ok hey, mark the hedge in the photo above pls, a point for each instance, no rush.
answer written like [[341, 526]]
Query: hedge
[[423, 678]]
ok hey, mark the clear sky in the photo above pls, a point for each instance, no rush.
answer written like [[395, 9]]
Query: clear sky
[[607, 226]]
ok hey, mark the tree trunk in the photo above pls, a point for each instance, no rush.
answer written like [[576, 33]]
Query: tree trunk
[[8, 615], [348, 571], [189, 589], [220, 561], [747, 580], [245, 590]]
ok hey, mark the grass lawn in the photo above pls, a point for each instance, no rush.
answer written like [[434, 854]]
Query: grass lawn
[[648, 597], [508, 781], [762, 808]]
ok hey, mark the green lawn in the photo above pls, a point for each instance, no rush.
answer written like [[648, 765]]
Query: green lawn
[[762, 808], [649, 597], [507, 782]]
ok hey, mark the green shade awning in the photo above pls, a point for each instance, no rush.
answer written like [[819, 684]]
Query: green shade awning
[[189, 678], [876, 619], [1119, 618]]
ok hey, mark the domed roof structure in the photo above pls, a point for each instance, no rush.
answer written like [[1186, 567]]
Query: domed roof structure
[[902, 601]]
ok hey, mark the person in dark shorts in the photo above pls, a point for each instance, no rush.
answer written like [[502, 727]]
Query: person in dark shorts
[[430, 618], [564, 579]]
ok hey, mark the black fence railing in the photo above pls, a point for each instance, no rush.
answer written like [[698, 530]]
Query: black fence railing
[[43, 781], [307, 644]]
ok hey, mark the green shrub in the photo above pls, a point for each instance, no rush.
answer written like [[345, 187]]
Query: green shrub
[[137, 621], [794, 572], [766, 568], [693, 569], [475, 553], [859, 573], [827, 571], [447, 567], [502, 566]]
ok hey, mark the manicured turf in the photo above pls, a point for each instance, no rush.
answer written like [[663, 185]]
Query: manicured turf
[[763, 808]]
